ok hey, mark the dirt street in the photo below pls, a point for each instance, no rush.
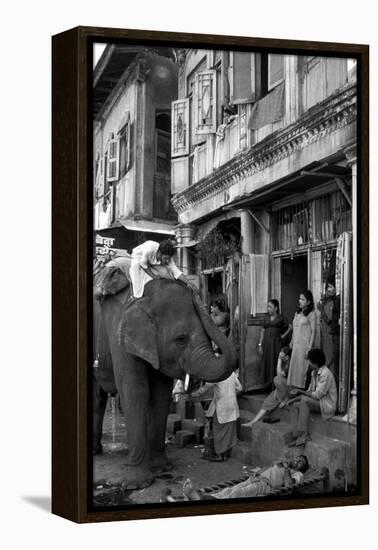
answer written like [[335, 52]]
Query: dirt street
[[187, 462]]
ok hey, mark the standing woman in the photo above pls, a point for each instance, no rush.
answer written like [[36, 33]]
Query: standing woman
[[273, 332], [302, 340]]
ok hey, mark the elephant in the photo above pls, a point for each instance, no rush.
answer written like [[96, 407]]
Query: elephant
[[153, 340]]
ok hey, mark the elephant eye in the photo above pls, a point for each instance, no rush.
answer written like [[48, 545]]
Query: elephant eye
[[181, 339]]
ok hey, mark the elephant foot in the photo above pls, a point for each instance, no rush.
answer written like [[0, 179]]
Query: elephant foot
[[161, 463], [137, 478], [97, 450]]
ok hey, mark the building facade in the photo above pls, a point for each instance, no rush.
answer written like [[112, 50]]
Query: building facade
[[264, 182], [133, 88]]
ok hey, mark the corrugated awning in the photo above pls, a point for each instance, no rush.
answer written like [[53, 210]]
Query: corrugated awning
[[299, 182]]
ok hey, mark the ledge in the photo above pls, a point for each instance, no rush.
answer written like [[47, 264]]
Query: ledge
[[322, 119]]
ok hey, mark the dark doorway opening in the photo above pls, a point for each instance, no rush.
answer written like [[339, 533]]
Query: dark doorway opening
[[294, 278], [215, 288]]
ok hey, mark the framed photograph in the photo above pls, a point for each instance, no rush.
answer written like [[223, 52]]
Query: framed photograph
[[210, 274]]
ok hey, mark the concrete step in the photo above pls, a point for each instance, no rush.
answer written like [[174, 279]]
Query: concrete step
[[195, 426], [173, 423], [184, 437], [266, 442], [334, 428]]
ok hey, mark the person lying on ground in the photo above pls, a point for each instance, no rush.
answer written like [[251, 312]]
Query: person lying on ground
[[280, 396], [281, 474], [320, 397]]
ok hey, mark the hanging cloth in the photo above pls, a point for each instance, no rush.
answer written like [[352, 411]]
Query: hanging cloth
[[259, 276]]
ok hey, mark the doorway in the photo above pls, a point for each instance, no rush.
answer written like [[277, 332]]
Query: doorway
[[213, 287], [294, 279]]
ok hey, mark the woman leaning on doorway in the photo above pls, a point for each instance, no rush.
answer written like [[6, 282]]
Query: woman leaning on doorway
[[273, 333], [304, 326]]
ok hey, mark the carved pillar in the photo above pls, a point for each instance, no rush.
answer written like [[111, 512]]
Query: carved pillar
[[247, 232], [351, 155], [184, 235], [140, 133]]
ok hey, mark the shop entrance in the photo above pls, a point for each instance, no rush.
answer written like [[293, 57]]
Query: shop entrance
[[213, 286], [294, 277]]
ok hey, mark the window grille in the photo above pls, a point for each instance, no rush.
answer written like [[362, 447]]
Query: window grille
[[332, 216], [316, 221], [291, 226]]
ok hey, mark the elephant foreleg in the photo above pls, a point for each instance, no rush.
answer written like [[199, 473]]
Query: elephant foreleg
[[133, 388], [160, 400], [100, 398]]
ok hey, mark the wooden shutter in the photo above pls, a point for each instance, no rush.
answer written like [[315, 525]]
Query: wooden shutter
[[99, 185], [275, 70], [180, 127], [337, 73], [314, 81], [205, 109], [113, 158], [128, 144], [316, 286], [242, 72]]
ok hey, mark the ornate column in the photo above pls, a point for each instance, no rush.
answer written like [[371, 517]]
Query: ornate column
[[247, 231], [184, 236], [351, 155]]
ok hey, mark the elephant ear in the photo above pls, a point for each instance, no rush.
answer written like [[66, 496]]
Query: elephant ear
[[137, 332]]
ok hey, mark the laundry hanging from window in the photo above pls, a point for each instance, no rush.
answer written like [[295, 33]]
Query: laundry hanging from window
[[268, 109], [259, 274]]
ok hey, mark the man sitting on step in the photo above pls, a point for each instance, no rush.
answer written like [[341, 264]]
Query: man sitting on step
[[320, 397]]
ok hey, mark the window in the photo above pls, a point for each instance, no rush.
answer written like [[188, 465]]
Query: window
[[275, 70], [321, 76], [180, 127], [352, 69], [332, 215], [205, 102], [291, 226], [242, 74], [124, 136], [113, 158]]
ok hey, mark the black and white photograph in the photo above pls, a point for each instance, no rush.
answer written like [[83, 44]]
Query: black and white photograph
[[225, 352]]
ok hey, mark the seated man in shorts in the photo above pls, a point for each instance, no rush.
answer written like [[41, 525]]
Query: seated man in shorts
[[320, 397]]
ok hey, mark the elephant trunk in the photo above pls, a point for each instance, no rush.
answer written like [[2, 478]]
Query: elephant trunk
[[207, 365]]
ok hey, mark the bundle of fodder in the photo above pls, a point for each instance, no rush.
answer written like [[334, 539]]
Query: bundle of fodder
[[112, 277]]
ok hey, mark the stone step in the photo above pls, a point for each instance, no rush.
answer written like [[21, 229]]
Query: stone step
[[267, 443], [173, 423], [335, 427], [184, 437], [195, 426]]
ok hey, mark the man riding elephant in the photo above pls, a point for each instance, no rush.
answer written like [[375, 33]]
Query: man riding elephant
[[149, 254]]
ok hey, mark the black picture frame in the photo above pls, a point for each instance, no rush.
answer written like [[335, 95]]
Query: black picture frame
[[71, 288]]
